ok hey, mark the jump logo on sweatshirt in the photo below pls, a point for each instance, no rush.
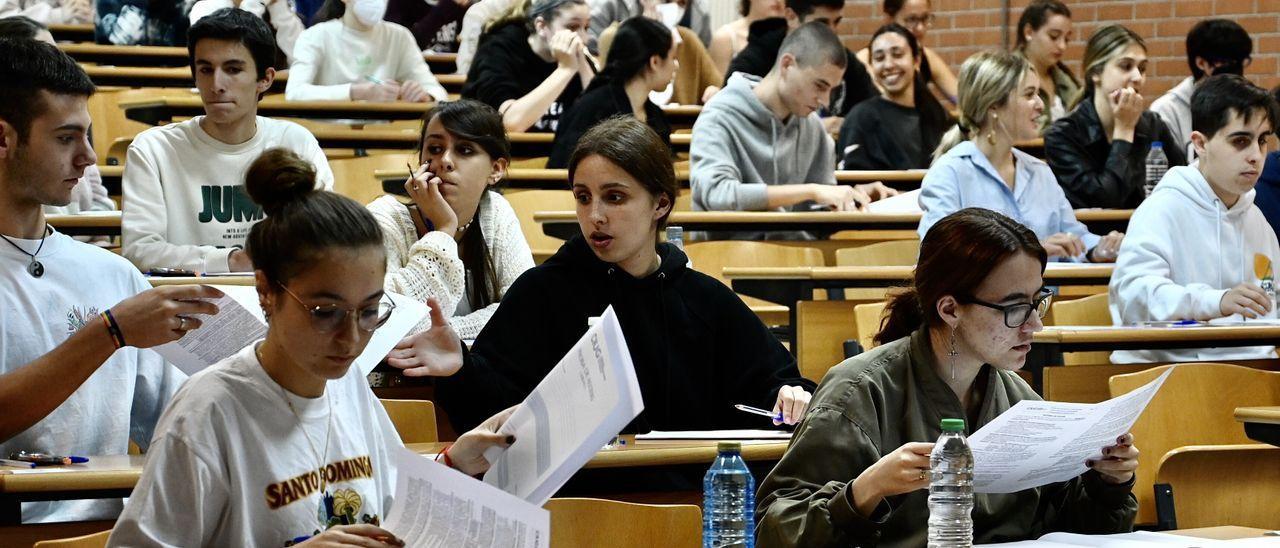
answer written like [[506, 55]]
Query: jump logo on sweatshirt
[[227, 203], [286, 492]]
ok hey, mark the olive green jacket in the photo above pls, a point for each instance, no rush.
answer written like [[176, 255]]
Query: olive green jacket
[[867, 407]]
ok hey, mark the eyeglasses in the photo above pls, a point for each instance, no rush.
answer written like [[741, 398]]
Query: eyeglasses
[[925, 20], [328, 318], [1015, 315]]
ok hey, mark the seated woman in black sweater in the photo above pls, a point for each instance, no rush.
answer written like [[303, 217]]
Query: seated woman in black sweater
[[697, 349], [643, 60], [900, 128], [1099, 150], [534, 64]]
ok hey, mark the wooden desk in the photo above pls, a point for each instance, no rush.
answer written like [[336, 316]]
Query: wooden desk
[[180, 77], [112, 176], [127, 56], [1082, 339], [115, 476], [163, 110], [563, 224], [1222, 532], [1260, 423], [682, 116], [159, 281], [72, 33], [105, 223], [442, 64], [790, 285]]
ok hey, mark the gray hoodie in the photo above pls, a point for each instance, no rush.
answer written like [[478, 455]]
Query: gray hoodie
[[739, 147]]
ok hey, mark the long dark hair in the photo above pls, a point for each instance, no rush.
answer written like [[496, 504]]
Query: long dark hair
[[479, 123], [302, 220], [933, 117], [638, 39], [955, 257], [1035, 15]]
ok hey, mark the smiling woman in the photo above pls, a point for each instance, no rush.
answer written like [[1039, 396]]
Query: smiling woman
[[949, 349], [696, 347]]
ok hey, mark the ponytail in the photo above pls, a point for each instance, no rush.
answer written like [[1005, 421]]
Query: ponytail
[[902, 315]]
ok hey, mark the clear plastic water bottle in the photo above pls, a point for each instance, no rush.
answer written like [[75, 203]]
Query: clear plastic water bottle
[[675, 236], [951, 489], [728, 501], [1157, 165]]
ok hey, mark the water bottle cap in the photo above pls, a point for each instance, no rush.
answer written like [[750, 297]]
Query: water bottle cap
[[1157, 144], [953, 425], [729, 446]]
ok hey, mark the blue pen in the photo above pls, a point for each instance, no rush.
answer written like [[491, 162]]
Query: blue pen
[[17, 463], [757, 411]]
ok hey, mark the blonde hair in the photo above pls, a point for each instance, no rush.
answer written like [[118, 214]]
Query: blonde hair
[[1106, 44], [986, 80]]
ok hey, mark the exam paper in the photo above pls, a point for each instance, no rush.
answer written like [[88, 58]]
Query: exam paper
[[1035, 443], [436, 506], [1136, 539], [239, 322], [907, 202], [578, 407]]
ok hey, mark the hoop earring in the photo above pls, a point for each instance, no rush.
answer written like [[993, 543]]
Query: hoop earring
[[952, 353]]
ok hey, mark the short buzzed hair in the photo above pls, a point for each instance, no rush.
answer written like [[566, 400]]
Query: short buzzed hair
[[814, 44], [28, 67]]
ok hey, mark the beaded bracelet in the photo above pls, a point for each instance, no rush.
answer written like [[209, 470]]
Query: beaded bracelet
[[113, 329]]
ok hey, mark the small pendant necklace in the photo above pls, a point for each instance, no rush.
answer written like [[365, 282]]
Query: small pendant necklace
[[35, 268], [320, 455]]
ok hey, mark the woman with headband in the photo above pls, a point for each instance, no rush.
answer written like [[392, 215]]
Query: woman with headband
[[532, 67]]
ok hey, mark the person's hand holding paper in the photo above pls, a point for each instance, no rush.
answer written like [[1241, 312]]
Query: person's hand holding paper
[[1118, 462], [468, 453]]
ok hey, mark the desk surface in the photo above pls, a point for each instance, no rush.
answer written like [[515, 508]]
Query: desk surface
[[1266, 415], [79, 32], [87, 224], [1079, 339], [134, 56], [1066, 273], [123, 471], [157, 281]]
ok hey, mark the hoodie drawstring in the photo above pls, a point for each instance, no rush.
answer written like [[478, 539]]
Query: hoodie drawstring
[[773, 126]]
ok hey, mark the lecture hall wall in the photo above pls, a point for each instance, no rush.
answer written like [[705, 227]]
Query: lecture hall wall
[[963, 27]]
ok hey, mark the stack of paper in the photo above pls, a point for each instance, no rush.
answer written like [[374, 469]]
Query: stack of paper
[[1137, 539]]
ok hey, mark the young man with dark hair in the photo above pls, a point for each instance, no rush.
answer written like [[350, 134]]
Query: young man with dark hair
[[73, 377], [1198, 248], [759, 144], [765, 37], [187, 207], [1268, 187], [1214, 46]]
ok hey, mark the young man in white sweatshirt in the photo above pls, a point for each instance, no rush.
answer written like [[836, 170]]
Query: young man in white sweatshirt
[[759, 144], [1198, 248], [184, 200], [74, 379]]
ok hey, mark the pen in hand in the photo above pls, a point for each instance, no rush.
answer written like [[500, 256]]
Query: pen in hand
[[777, 417]]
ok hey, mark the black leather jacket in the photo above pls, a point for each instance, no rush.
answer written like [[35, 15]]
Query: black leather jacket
[[1095, 173]]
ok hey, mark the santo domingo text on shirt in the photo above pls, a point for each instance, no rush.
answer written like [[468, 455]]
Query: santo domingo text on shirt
[[293, 489]]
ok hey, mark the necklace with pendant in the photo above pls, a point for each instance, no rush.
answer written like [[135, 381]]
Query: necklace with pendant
[[35, 267]]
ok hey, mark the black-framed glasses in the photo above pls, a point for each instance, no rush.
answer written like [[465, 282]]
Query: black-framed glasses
[[327, 318], [1015, 315]]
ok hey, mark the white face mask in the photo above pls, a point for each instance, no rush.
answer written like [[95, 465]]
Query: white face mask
[[369, 12]]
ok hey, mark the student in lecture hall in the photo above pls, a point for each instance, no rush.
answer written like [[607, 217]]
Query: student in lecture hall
[[74, 378], [351, 54], [50, 12], [533, 64], [1267, 196], [451, 236], [643, 61], [731, 37], [284, 22], [977, 165], [1214, 46], [1198, 248], [696, 77], [187, 208], [89, 194], [240, 436], [697, 349], [136, 23], [690, 14], [435, 25], [917, 16], [765, 39], [900, 128], [1099, 150], [1044, 32], [759, 144], [857, 470]]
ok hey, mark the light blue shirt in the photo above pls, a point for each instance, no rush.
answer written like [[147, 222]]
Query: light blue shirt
[[964, 177]]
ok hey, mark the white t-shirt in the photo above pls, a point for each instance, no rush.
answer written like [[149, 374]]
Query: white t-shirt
[[329, 57], [184, 200], [120, 401], [231, 466]]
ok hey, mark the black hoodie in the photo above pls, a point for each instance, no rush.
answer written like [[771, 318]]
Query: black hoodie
[[764, 39], [697, 348]]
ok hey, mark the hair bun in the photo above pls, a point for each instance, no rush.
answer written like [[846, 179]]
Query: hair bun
[[277, 178]]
